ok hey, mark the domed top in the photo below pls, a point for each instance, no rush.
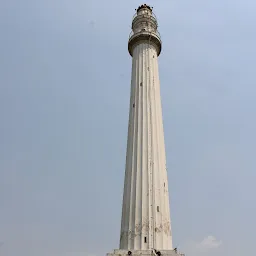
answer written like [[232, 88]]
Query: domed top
[[144, 6]]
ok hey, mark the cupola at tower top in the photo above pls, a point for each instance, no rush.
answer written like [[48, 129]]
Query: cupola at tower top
[[143, 7]]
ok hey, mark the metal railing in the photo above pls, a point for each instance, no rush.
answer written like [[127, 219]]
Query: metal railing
[[151, 17], [151, 14], [153, 33]]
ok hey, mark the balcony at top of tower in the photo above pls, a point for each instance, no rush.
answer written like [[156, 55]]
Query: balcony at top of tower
[[144, 28]]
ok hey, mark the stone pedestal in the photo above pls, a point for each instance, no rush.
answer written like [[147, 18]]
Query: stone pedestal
[[145, 253]]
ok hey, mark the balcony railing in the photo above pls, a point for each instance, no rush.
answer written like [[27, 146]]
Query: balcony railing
[[149, 17], [152, 15], [153, 33]]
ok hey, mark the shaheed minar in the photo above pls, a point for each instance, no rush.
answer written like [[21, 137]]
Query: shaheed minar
[[145, 225]]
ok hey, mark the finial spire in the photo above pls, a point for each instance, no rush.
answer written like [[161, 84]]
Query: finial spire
[[144, 6]]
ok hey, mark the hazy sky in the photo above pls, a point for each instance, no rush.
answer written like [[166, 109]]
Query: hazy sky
[[64, 92]]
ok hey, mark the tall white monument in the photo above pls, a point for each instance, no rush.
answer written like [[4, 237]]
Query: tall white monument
[[146, 225]]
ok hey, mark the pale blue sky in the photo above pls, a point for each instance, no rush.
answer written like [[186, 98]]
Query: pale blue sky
[[64, 95]]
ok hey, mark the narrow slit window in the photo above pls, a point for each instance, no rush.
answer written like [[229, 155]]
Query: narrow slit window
[[133, 105], [140, 83], [157, 208], [145, 239], [164, 184]]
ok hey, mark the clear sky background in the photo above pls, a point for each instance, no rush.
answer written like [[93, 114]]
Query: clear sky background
[[64, 93]]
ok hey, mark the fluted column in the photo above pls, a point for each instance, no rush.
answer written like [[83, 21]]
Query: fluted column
[[145, 213]]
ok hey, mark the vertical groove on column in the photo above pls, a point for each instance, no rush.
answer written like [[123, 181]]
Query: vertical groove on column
[[138, 159], [150, 169], [151, 161], [130, 200], [167, 202], [154, 150], [147, 156], [168, 236], [136, 170], [146, 152], [160, 150], [126, 198], [154, 160], [142, 155], [161, 213]]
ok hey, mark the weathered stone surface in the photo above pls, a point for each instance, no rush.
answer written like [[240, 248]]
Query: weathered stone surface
[[145, 215], [146, 220]]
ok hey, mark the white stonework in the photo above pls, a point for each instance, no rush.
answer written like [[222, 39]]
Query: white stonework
[[145, 215], [146, 225]]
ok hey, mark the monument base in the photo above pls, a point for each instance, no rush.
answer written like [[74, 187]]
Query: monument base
[[119, 252]]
